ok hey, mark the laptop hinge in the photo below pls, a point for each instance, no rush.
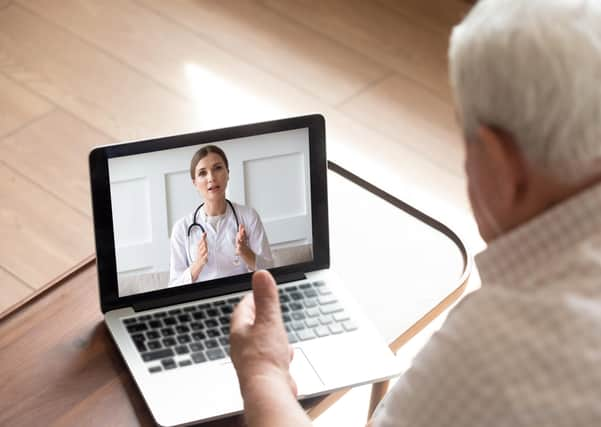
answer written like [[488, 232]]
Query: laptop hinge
[[290, 277], [177, 299]]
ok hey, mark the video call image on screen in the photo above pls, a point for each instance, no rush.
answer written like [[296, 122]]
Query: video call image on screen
[[248, 208]]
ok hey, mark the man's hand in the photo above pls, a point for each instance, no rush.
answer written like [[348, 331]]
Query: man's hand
[[259, 344], [261, 356]]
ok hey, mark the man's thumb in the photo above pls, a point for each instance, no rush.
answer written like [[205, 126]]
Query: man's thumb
[[265, 293]]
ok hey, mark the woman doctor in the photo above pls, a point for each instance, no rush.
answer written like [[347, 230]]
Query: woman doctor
[[219, 238]]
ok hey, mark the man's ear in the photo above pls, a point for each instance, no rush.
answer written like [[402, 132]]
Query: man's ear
[[507, 164]]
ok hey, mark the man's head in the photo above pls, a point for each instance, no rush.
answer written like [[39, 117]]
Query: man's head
[[526, 79]]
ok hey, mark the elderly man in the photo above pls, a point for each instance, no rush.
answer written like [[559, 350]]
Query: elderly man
[[525, 349]]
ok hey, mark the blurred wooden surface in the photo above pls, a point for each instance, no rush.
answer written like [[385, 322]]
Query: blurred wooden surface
[[79, 73]]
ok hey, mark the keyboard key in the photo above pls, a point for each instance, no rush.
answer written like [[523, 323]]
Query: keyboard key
[[324, 291], [228, 309], [155, 355], [212, 333], [312, 312], [169, 342], [197, 346], [305, 334], [215, 354], [341, 317], [296, 295], [189, 309], [137, 327], [310, 293], [175, 312], [167, 332], [327, 299], [330, 308], [224, 341], [168, 363], [234, 300], [154, 345], [291, 289], [284, 299], [144, 318], [304, 285], [286, 318], [295, 306], [182, 329], [285, 308], [224, 320], [321, 331], [225, 330], [198, 336], [335, 328], [155, 369], [160, 315], [298, 315], [212, 343], [129, 321], [212, 312], [349, 326], [138, 337], [186, 362], [155, 324], [183, 339], [184, 318], [140, 346], [203, 306], [319, 284], [312, 322], [169, 321], [311, 302], [197, 326], [297, 326], [199, 315], [326, 319], [292, 338], [218, 303], [182, 349], [198, 357], [211, 323], [153, 335]]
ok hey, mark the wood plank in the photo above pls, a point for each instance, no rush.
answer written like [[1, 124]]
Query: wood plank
[[18, 106], [53, 153], [408, 113], [379, 33], [436, 15], [222, 89], [40, 236], [87, 82], [11, 290], [288, 50]]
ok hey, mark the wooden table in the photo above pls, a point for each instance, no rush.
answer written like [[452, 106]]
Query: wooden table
[[59, 366]]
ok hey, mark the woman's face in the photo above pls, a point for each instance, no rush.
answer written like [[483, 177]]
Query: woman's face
[[210, 177]]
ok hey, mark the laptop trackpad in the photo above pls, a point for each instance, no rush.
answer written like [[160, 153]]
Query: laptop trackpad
[[307, 380]]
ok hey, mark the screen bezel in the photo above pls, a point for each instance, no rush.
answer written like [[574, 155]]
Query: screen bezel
[[103, 221]]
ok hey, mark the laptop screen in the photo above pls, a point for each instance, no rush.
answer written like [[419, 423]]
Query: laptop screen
[[192, 214]]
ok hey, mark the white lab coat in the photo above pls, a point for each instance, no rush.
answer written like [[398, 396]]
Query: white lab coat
[[221, 245]]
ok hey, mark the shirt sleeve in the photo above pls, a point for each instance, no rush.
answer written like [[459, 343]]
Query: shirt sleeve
[[448, 384], [179, 270], [259, 243]]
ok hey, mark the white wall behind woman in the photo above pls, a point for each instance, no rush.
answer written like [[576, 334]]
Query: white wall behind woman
[[151, 191]]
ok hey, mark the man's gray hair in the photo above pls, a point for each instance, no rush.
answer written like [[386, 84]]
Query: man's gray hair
[[533, 68]]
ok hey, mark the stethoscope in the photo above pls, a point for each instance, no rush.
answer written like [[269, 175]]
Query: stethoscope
[[202, 229]]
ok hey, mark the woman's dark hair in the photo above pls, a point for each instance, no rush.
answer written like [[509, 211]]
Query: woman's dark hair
[[202, 153]]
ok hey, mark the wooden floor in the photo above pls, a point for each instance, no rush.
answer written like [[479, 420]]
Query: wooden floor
[[80, 73]]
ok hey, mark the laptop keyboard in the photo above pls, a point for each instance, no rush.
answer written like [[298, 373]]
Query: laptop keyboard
[[200, 333]]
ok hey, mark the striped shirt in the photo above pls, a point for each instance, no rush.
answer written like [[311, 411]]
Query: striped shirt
[[524, 349]]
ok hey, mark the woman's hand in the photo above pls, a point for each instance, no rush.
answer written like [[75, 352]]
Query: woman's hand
[[242, 249], [202, 256]]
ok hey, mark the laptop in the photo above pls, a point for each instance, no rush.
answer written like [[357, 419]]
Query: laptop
[[171, 325]]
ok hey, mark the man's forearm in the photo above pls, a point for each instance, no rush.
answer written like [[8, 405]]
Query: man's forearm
[[269, 403]]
